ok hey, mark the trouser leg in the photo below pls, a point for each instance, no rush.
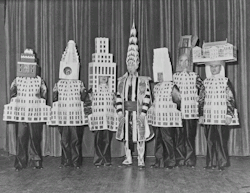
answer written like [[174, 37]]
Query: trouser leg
[[65, 144], [158, 148], [21, 158], [222, 146], [168, 146], [98, 145], [107, 138], [180, 153], [141, 152], [76, 145], [35, 131], [190, 126], [210, 133]]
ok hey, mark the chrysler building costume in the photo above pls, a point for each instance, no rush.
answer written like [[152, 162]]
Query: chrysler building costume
[[216, 103], [132, 103], [28, 108], [164, 114], [190, 84], [103, 118], [68, 108]]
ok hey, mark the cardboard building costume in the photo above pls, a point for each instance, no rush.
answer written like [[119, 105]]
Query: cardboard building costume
[[68, 107], [217, 108], [164, 114], [102, 118], [190, 84], [133, 99], [28, 108]]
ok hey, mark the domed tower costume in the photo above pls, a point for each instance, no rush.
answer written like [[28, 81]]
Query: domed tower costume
[[133, 99], [68, 107], [190, 84], [217, 109], [28, 108], [103, 118], [164, 114]]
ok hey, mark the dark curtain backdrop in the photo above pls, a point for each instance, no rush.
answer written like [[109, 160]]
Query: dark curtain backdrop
[[46, 26]]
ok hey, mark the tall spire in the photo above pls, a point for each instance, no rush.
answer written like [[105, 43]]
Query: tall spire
[[133, 53], [70, 54]]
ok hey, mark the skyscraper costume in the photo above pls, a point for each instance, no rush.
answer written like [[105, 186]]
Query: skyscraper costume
[[133, 99], [68, 107], [28, 108], [190, 85], [164, 114], [103, 116], [216, 103]]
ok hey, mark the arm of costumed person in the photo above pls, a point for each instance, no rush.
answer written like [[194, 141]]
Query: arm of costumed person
[[199, 84], [201, 103], [13, 89], [55, 93], [86, 97], [176, 96], [230, 103], [43, 90]]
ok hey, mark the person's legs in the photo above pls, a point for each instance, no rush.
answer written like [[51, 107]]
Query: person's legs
[[76, 133], [210, 134], [65, 144], [159, 160]]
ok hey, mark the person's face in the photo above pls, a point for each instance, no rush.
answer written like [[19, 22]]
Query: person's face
[[131, 67], [183, 62], [215, 67], [160, 77], [103, 79]]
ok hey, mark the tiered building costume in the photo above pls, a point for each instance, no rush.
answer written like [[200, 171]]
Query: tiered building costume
[[133, 99], [28, 108], [164, 115], [190, 84], [216, 103], [68, 107], [103, 118]]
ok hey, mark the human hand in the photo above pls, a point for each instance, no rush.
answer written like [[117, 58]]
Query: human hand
[[228, 120], [201, 120]]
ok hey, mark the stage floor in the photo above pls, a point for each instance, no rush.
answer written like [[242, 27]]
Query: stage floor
[[114, 179]]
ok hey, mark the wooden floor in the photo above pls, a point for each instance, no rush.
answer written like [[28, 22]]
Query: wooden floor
[[126, 179]]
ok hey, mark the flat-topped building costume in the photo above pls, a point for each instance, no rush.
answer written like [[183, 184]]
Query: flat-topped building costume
[[164, 115], [190, 85], [28, 108], [103, 117], [68, 107], [217, 108], [133, 99]]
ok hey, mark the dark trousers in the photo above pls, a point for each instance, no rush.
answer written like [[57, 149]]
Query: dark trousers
[[71, 142], [164, 146], [28, 145], [217, 150], [102, 146]]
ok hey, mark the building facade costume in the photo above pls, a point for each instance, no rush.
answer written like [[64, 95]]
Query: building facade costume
[[190, 84], [133, 99], [164, 114], [217, 105], [68, 107], [103, 117], [28, 108]]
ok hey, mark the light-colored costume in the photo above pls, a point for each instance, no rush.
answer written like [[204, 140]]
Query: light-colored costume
[[164, 114], [216, 106], [68, 107], [28, 108], [103, 118], [133, 99]]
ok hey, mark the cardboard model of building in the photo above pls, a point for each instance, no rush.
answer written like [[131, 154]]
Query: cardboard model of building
[[26, 106], [102, 65], [27, 66], [103, 115], [212, 51], [162, 67], [163, 112], [69, 109]]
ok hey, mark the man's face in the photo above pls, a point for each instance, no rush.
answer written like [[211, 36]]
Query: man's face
[[131, 67], [215, 67], [184, 62], [103, 79], [160, 77]]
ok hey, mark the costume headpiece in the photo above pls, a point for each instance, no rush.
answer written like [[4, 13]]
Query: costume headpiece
[[69, 65], [162, 67], [185, 46], [214, 51], [27, 66], [133, 54]]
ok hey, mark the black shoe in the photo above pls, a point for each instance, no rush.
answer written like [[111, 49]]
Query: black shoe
[[169, 167], [221, 168], [107, 164], [141, 167], [154, 165], [190, 166], [209, 167], [18, 169], [37, 167], [77, 167]]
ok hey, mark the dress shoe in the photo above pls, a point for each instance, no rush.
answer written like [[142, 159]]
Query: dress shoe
[[107, 164], [209, 167], [141, 167], [18, 169], [154, 165], [221, 168], [169, 167], [37, 167]]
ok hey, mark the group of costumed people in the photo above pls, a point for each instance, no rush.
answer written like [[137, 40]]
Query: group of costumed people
[[169, 114]]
